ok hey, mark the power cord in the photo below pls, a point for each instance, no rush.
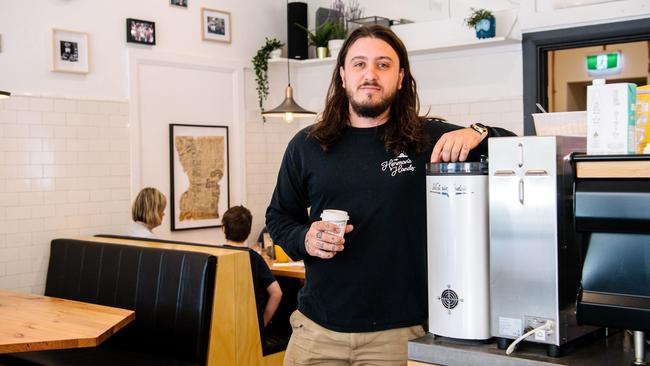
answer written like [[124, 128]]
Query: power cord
[[546, 326]]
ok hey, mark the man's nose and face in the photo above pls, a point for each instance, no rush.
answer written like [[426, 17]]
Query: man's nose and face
[[371, 76]]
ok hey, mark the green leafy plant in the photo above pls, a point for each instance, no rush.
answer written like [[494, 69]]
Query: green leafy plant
[[320, 36], [338, 31], [261, 67], [476, 16]]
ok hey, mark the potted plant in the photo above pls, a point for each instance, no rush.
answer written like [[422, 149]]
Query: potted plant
[[339, 32], [482, 20], [261, 67], [319, 38], [339, 15]]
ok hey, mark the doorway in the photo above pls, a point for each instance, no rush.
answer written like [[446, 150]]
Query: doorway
[[568, 76], [537, 45]]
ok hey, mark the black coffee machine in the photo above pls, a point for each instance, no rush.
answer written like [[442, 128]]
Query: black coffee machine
[[612, 205]]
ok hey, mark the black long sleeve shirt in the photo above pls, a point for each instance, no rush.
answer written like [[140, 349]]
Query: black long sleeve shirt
[[379, 281]]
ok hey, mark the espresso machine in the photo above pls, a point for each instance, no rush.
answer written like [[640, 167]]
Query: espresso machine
[[612, 207], [535, 252]]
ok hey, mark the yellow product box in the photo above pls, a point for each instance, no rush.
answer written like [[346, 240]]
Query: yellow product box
[[643, 119]]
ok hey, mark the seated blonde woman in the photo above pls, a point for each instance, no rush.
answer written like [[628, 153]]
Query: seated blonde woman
[[147, 213]]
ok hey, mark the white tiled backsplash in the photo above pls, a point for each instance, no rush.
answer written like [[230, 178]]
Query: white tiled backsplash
[[64, 172], [503, 112]]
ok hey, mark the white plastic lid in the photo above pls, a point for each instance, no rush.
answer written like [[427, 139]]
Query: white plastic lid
[[334, 215]]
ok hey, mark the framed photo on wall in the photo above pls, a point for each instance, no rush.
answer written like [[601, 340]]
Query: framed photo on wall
[[199, 176], [69, 51], [179, 3], [215, 25], [140, 31]]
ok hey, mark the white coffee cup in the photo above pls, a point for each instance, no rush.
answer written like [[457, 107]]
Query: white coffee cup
[[338, 217]]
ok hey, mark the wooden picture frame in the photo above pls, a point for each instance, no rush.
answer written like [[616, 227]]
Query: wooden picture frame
[[199, 175], [69, 51], [215, 25]]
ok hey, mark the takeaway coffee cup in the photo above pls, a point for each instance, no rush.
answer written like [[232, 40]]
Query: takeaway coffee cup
[[338, 217]]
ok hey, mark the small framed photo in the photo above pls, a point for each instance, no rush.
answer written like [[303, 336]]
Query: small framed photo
[[215, 25], [69, 51], [199, 175], [140, 31], [179, 3]]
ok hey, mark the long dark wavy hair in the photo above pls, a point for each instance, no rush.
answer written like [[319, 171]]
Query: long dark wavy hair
[[404, 129]]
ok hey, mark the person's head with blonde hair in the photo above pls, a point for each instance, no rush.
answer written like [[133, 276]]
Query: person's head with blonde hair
[[149, 207]]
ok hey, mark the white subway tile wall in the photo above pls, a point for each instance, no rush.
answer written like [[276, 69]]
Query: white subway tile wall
[[64, 172], [504, 112], [265, 145]]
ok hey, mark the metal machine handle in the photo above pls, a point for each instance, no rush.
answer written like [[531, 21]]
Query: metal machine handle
[[536, 172], [521, 191], [504, 173], [521, 154]]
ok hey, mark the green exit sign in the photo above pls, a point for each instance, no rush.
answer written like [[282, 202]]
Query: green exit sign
[[604, 63]]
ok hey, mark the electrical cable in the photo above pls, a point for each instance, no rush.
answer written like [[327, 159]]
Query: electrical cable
[[546, 326]]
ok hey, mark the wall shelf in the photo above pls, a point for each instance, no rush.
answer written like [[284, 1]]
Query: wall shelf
[[479, 43], [420, 38]]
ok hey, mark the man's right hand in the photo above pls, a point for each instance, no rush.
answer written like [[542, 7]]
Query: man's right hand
[[323, 241]]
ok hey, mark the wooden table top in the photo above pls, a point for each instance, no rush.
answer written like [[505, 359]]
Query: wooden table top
[[290, 269], [32, 322], [295, 271]]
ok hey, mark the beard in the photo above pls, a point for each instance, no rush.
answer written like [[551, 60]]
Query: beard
[[369, 109]]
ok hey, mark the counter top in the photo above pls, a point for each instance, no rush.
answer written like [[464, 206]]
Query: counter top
[[617, 349]]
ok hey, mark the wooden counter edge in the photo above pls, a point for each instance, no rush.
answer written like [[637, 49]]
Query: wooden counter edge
[[613, 169]]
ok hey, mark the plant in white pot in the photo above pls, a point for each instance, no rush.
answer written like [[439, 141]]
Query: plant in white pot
[[261, 67], [482, 20]]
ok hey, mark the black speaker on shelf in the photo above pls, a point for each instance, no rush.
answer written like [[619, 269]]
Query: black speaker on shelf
[[297, 37]]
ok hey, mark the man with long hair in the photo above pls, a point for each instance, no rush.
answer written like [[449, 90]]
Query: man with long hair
[[365, 294]]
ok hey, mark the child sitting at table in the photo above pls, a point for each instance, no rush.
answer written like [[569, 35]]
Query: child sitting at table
[[237, 222]]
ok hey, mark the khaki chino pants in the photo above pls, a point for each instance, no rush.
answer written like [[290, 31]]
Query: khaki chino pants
[[312, 344]]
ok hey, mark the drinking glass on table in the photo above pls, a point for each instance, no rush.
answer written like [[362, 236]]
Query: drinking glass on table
[[268, 246]]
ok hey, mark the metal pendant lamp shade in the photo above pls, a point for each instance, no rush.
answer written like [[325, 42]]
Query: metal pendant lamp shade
[[288, 109], [4, 94]]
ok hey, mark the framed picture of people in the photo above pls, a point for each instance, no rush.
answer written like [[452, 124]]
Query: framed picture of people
[[69, 51], [199, 175], [215, 25], [179, 3], [140, 31]]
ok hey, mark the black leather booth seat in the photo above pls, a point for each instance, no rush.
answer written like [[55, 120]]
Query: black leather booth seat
[[278, 332], [171, 292]]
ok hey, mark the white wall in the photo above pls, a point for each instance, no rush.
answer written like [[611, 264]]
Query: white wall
[[541, 15], [170, 89], [65, 167], [418, 10], [64, 172], [26, 40]]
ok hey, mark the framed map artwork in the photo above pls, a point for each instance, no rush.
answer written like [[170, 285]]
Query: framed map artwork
[[199, 175]]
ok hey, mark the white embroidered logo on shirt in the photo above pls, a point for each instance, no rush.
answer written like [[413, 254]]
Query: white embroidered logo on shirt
[[402, 163]]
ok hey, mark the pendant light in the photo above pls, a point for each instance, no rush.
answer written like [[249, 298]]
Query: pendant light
[[4, 94], [288, 109]]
